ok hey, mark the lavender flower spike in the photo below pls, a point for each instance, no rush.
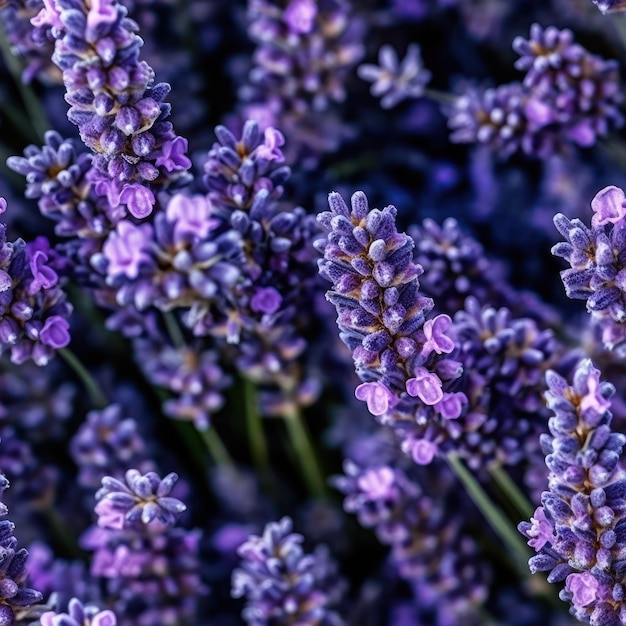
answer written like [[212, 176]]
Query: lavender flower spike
[[282, 584], [579, 531], [113, 100], [597, 256], [79, 615], [399, 354], [141, 498]]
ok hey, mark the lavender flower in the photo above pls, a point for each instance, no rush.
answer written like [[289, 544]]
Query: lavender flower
[[271, 307], [57, 176], [305, 52], [281, 583], [120, 113], [192, 373], [399, 353], [568, 95], [139, 498], [578, 529], [16, 16], [494, 117], [79, 615], [568, 85], [430, 549], [33, 308], [505, 360], [172, 263], [597, 256], [455, 266], [396, 80], [15, 595], [106, 444], [150, 576]]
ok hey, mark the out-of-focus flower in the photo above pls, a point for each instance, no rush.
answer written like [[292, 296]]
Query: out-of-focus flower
[[393, 79]]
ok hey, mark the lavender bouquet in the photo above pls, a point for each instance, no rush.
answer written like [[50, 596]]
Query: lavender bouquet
[[288, 321]]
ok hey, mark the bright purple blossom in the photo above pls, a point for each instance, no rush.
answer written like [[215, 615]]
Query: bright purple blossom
[[79, 615], [598, 269], [578, 529], [135, 149], [138, 498]]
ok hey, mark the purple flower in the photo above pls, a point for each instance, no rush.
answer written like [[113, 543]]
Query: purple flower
[[379, 399], [396, 80], [597, 273], [125, 249], [135, 150], [429, 547], [425, 385], [192, 216], [281, 583], [79, 615], [577, 530], [300, 16], [139, 498]]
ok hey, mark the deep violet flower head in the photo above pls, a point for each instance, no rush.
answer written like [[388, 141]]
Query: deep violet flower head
[[34, 311], [120, 112], [578, 531], [393, 79], [431, 547], [455, 266], [36, 55], [400, 353], [281, 583], [57, 176], [15, 596], [237, 170], [172, 263], [597, 256], [568, 95], [304, 55], [143, 498], [79, 615], [192, 373], [106, 444], [494, 117]]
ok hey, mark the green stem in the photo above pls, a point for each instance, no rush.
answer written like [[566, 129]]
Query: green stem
[[215, 447], [62, 532], [509, 536], [98, 398], [512, 491], [619, 21], [301, 442], [258, 444], [32, 104], [173, 329], [442, 97]]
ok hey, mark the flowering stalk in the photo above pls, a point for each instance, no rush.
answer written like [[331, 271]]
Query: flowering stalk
[[598, 265], [578, 531], [118, 109]]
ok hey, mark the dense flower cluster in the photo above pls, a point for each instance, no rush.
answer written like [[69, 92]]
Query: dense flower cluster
[[281, 583], [578, 530], [598, 259], [567, 95], [113, 100], [34, 310], [205, 275]]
